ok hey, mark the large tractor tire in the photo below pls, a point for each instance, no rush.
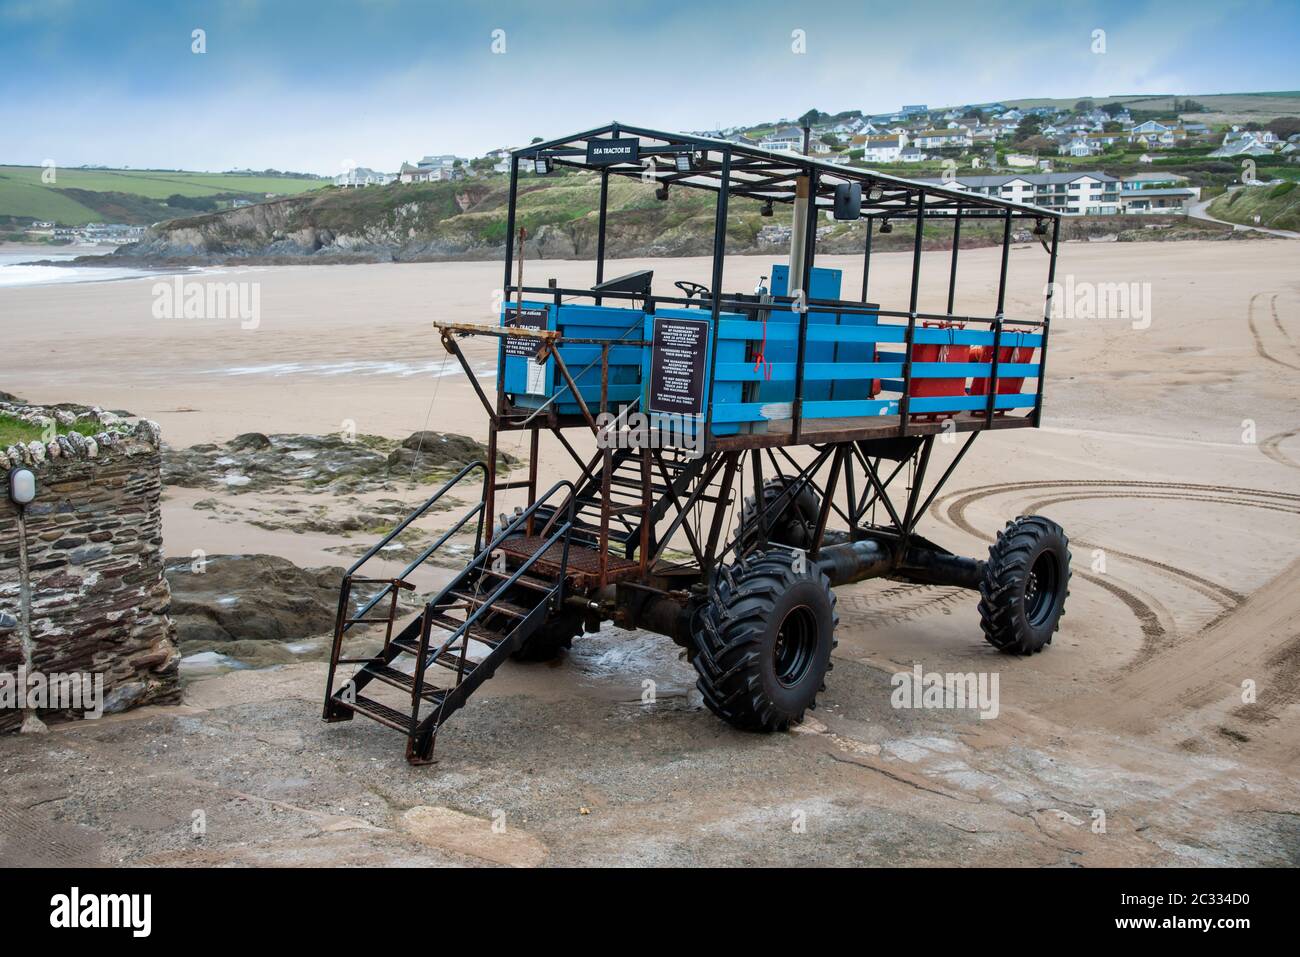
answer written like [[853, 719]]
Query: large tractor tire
[[1025, 584], [763, 642], [794, 525], [548, 641]]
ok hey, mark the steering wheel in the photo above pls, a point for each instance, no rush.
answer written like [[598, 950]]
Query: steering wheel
[[692, 289]]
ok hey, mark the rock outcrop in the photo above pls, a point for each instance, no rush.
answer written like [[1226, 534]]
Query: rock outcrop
[[222, 598], [339, 464]]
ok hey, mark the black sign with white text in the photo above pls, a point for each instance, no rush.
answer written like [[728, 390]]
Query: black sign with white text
[[607, 152], [524, 347], [677, 366]]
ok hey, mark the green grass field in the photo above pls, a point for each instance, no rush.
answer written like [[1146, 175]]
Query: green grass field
[[24, 194], [16, 430], [1276, 206]]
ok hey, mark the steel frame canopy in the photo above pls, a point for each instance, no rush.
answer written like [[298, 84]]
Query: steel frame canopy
[[726, 169], [763, 174]]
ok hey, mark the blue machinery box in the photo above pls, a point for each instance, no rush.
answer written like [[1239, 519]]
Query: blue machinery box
[[843, 356]]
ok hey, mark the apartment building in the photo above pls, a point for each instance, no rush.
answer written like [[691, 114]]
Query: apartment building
[[1076, 194], [937, 139]]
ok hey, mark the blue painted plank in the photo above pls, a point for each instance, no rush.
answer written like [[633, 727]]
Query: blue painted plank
[[820, 371], [964, 403], [786, 331], [852, 408]]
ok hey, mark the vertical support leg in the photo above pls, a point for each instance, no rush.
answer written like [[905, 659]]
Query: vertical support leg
[[904, 404], [332, 712], [491, 500], [644, 547], [1047, 321], [534, 446], [723, 503], [827, 500], [910, 517], [756, 468]]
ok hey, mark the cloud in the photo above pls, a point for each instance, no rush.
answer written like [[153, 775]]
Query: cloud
[[302, 85]]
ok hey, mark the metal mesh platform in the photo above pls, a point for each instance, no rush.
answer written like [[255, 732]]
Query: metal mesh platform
[[584, 562]]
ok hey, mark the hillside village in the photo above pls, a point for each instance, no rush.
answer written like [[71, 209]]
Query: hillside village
[[1135, 155], [1044, 155]]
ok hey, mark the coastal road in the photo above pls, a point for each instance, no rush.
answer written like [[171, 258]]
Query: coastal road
[[1198, 211]]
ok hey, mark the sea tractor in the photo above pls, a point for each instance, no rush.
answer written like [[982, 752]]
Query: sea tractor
[[735, 456]]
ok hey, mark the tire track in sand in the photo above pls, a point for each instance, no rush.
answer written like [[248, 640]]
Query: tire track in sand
[[1271, 447], [1260, 348]]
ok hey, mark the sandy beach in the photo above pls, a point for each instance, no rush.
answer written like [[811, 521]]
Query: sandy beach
[[1170, 452]]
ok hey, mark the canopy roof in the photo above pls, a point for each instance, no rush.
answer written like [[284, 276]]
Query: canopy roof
[[767, 175]]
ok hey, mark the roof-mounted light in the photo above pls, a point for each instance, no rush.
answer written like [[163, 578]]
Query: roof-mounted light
[[767, 209], [684, 162], [542, 164]]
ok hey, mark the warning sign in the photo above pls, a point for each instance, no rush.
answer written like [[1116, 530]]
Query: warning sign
[[524, 347], [677, 366]]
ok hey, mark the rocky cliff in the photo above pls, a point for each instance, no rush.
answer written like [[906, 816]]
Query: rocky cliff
[[467, 220]]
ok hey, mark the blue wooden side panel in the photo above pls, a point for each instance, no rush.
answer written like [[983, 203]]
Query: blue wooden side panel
[[886, 365], [583, 361], [842, 359]]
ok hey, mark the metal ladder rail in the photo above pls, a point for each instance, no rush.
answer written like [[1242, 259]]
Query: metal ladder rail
[[343, 624], [555, 596]]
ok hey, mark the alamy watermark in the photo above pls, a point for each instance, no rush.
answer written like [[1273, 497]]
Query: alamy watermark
[[636, 430], [74, 909], [1101, 300], [183, 298], [37, 691], [972, 690]]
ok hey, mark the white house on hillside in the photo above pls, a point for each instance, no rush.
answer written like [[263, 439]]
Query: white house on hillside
[[937, 139], [361, 176], [882, 149]]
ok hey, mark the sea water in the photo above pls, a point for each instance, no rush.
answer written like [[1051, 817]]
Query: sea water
[[13, 272]]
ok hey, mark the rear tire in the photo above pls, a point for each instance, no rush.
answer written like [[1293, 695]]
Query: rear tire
[[554, 637], [1025, 584], [793, 526], [763, 642]]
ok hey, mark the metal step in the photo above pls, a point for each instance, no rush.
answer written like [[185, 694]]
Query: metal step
[[500, 605], [614, 508], [377, 710], [525, 581], [400, 679], [477, 632], [449, 659]]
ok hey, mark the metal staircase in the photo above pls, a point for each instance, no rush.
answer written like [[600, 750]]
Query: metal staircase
[[466, 631], [670, 473]]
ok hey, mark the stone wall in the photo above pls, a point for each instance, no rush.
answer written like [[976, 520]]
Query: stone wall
[[94, 540]]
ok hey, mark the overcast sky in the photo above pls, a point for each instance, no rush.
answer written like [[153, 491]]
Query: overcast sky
[[318, 85]]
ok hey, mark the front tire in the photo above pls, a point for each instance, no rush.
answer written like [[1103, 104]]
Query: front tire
[[763, 643], [1026, 581]]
